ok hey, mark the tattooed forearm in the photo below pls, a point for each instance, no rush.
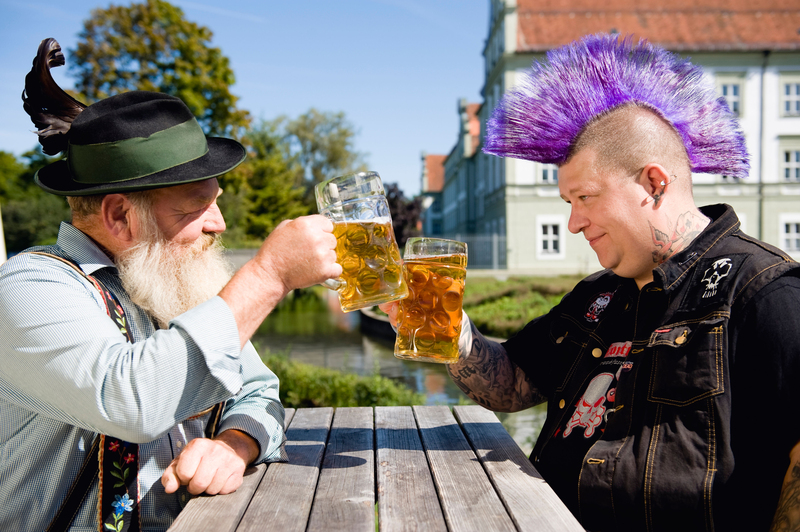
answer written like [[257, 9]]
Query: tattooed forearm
[[490, 379], [676, 237], [787, 516]]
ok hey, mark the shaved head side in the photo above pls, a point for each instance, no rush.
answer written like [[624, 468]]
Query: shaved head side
[[629, 137]]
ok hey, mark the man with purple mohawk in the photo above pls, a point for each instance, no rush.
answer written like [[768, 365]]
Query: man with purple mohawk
[[670, 376]]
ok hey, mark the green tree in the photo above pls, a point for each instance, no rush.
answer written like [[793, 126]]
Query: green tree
[[30, 215], [324, 144], [11, 186], [273, 195], [261, 192], [151, 46]]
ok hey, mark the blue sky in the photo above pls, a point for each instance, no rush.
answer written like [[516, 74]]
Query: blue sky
[[396, 68]]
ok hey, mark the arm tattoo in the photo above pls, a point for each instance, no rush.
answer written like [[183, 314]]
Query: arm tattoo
[[787, 516], [669, 242], [490, 379]]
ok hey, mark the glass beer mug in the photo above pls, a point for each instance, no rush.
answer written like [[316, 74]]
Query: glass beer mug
[[372, 271], [429, 320]]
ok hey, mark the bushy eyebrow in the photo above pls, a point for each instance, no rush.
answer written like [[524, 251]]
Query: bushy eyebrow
[[201, 200]]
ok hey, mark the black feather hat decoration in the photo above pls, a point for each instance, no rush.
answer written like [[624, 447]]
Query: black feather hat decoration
[[51, 109]]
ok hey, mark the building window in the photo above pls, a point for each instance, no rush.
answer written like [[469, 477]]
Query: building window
[[791, 165], [730, 85], [731, 93], [790, 232], [550, 230], [790, 93], [550, 239], [791, 236], [550, 174], [791, 98]]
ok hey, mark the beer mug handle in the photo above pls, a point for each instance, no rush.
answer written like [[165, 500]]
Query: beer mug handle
[[333, 284]]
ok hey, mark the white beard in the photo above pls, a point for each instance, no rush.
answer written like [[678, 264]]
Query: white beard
[[167, 279]]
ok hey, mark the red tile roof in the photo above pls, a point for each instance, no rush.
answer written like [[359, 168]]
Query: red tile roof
[[434, 173], [678, 25]]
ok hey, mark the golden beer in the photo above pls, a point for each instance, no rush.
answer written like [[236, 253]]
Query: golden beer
[[372, 271], [429, 320]]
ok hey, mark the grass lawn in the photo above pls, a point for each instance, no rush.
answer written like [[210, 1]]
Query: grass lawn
[[501, 308]]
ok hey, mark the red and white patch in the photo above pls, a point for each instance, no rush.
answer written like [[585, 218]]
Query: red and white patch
[[618, 350], [590, 409], [598, 306]]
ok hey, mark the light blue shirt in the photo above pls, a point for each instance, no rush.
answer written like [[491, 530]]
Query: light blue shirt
[[67, 373]]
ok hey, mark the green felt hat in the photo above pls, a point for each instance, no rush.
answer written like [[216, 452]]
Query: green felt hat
[[136, 141]]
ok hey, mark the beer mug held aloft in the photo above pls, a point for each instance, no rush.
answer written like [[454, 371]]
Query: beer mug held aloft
[[429, 320], [366, 248]]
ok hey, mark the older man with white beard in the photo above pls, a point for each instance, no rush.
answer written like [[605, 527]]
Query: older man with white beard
[[127, 342]]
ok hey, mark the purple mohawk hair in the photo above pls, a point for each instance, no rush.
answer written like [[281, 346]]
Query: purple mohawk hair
[[541, 118]]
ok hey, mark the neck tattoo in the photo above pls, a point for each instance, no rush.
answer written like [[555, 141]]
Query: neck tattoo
[[677, 236]]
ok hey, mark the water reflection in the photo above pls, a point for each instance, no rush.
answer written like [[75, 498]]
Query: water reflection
[[310, 327]]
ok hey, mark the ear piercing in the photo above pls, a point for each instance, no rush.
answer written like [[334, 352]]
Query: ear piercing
[[663, 184]]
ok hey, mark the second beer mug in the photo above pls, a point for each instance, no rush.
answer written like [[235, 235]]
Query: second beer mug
[[429, 320], [365, 244]]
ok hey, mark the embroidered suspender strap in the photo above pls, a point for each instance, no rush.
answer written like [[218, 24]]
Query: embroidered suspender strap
[[118, 497], [118, 491]]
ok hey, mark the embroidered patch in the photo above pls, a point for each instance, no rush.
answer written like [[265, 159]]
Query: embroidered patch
[[714, 275], [591, 407], [597, 306], [618, 349], [713, 280]]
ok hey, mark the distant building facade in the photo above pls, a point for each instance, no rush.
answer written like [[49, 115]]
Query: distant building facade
[[431, 187], [751, 52]]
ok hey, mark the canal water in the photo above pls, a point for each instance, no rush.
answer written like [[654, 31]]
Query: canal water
[[310, 327]]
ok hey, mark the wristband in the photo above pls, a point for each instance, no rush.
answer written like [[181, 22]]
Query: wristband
[[465, 340]]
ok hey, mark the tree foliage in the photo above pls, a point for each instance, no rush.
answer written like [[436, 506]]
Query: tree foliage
[[151, 46], [324, 145], [272, 173], [30, 215], [405, 213]]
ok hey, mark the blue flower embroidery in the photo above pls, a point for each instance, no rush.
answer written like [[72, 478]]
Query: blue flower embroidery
[[122, 504]]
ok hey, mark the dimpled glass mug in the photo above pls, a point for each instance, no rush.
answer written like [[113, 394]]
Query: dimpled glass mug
[[429, 320], [372, 271]]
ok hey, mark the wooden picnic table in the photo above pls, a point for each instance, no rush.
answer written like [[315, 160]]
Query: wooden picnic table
[[410, 468]]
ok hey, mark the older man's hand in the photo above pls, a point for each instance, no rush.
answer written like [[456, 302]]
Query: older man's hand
[[212, 466], [301, 252]]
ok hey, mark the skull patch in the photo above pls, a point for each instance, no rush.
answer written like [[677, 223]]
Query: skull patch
[[713, 275]]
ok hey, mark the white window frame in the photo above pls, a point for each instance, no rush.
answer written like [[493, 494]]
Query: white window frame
[[790, 146], [789, 240], [792, 100], [725, 83], [550, 220], [548, 174]]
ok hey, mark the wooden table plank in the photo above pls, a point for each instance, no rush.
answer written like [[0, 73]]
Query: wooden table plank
[[345, 496], [222, 512], [468, 498], [504, 460], [283, 499], [407, 499]]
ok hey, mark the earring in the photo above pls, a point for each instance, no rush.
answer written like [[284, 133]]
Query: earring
[[663, 184]]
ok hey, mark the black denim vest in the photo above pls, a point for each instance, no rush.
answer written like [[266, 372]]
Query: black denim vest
[[665, 454]]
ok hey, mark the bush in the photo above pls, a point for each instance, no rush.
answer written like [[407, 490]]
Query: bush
[[304, 385]]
